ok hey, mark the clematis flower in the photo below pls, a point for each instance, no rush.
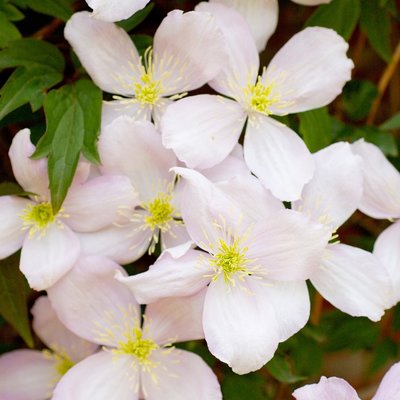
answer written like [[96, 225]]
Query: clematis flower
[[254, 260], [337, 388], [352, 279], [50, 246], [136, 362], [115, 10], [187, 53], [33, 374], [308, 72]]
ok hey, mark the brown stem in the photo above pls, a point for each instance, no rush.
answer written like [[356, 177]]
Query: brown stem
[[317, 309], [48, 29]]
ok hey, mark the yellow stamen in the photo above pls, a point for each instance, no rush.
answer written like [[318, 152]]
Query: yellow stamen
[[259, 97], [38, 217], [149, 90]]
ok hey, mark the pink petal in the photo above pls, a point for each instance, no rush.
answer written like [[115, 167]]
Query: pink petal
[[327, 389], [26, 375], [381, 196], [102, 376], [278, 157], [159, 110], [354, 281], [335, 190], [389, 388], [92, 304], [202, 130], [188, 51], [106, 52], [261, 16], [181, 376], [115, 10], [11, 233], [111, 110], [309, 71], [55, 335], [240, 67], [45, 259]]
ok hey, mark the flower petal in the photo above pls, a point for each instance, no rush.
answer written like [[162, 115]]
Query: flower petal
[[91, 303], [354, 281], [26, 375], [202, 130], [106, 51], [102, 376], [261, 16], [389, 387], [309, 71], [45, 259], [278, 157], [188, 51], [381, 196], [181, 375], [327, 389], [111, 110], [312, 2], [115, 10], [335, 190]]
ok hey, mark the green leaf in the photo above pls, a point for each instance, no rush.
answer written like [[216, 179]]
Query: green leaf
[[384, 352], [340, 15], [26, 86], [11, 188], [136, 19], [61, 9], [73, 124], [13, 297], [11, 12], [316, 128], [358, 96], [142, 42], [384, 140], [281, 370], [8, 31], [236, 387], [391, 123], [375, 22]]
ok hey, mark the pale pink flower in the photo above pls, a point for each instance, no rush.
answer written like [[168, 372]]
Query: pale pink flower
[[32, 374], [187, 53], [135, 361], [50, 246], [337, 388], [352, 279], [256, 258], [308, 72], [115, 10]]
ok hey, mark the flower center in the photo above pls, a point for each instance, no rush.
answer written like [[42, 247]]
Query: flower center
[[37, 217], [259, 97], [63, 364], [149, 90], [160, 212]]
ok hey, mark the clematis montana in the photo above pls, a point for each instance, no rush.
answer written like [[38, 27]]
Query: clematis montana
[[136, 362], [337, 388], [187, 52], [308, 72], [115, 10], [50, 246], [352, 279], [255, 261], [33, 374]]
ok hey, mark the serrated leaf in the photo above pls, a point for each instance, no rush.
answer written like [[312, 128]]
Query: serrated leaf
[[281, 370], [13, 297], [56, 8], [391, 123], [316, 128], [11, 12], [26, 86], [375, 23], [73, 124], [31, 53], [136, 19], [8, 31], [340, 15]]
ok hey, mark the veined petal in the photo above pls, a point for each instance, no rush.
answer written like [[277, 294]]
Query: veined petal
[[111, 110], [354, 281], [335, 190], [176, 319], [159, 110], [45, 259], [106, 51], [241, 63], [92, 304], [261, 16], [55, 335], [181, 376], [278, 157], [26, 375], [102, 376], [381, 196], [327, 389], [175, 236], [389, 387], [202, 130], [11, 233], [309, 71], [170, 276], [115, 10], [240, 325], [188, 51], [30, 174]]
